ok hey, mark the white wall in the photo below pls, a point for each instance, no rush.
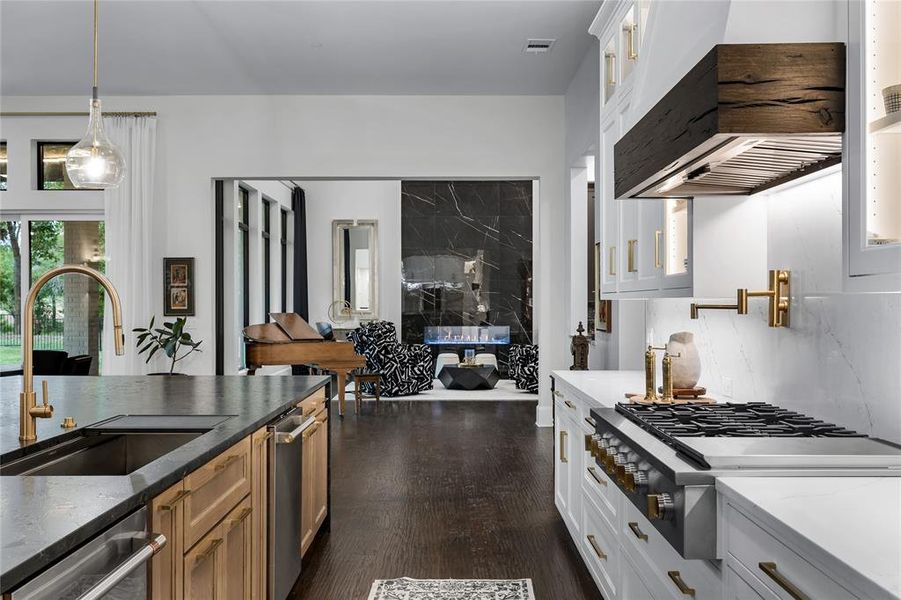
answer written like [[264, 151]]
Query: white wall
[[203, 137], [374, 199], [841, 358]]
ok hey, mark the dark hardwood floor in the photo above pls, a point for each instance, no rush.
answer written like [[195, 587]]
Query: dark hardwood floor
[[443, 490]]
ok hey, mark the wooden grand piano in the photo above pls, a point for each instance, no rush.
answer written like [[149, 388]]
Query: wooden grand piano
[[290, 340]]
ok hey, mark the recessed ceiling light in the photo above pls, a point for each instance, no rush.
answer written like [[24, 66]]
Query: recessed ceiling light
[[538, 46]]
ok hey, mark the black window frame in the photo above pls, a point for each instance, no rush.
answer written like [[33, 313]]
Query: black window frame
[[265, 233], [283, 243], [4, 145], [244, 229], [39, 170]]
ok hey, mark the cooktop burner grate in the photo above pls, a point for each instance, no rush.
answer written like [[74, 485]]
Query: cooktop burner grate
[[754, 419]]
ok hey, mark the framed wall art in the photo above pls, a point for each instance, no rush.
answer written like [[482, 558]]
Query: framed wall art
[[178, 287], [604, 320]]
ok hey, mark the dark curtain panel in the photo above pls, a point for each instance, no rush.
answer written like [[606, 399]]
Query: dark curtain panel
[[301, 298], [220, 296]]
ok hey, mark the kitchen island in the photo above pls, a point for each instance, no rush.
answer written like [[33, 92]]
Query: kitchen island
[[42, 518]]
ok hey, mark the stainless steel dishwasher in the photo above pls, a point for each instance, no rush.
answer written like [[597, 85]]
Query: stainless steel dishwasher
[[111, 566], [285, 463]]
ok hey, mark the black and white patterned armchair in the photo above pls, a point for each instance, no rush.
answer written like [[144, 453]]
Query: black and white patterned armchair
[[524, 367], [405, 368]]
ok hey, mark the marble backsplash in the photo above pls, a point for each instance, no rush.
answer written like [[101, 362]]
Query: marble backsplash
[[841, 358]]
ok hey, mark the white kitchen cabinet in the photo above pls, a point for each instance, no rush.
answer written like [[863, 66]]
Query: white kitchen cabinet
[[872, 151], [568, 461], [632, 586], [609, 208]]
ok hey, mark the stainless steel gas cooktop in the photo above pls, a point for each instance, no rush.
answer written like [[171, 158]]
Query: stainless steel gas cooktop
[[665, 458]]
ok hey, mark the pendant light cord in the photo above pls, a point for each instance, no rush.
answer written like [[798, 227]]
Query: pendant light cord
[[96, 46]]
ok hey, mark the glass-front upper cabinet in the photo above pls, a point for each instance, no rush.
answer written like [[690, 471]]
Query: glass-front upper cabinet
[[874, 129], [621, 47]]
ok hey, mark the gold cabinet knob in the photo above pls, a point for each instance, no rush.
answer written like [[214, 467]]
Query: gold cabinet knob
[[660, 506], [68, 423]]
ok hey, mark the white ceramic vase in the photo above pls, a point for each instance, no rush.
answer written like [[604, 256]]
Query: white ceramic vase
[[687, 366]]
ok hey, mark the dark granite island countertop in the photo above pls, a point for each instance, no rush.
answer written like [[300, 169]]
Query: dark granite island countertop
[[43, 517]]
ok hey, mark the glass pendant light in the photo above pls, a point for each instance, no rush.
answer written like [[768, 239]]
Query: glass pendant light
[[95, 162]]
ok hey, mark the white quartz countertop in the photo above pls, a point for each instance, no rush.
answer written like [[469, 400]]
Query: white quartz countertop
[[603, 388], [854, 521]]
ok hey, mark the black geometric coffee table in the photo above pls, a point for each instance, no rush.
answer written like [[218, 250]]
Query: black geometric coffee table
[[469, 378]]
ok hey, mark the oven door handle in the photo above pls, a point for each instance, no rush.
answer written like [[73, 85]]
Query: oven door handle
[[289, 437], [155, 543]]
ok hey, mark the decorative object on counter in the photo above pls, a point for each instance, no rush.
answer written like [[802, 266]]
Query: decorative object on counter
[[171, 339], [469, 356], [667, 366], [650, 373], [604, 320], [891, 96], [178, 287], [579, 349], [95, 162], [779, 295], [686, 393], [524, 367], [451, 589], [686, 361], [29, 412], [633, 398], [68, 423]]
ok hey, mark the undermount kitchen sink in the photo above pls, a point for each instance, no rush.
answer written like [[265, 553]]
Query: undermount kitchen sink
[[118, 446]]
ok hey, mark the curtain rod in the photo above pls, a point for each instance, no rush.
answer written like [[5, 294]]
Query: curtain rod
[[76, 114]]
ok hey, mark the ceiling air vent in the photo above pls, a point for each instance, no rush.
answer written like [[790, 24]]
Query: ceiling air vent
[[538, 46]]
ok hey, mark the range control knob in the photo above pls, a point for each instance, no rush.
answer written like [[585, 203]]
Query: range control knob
[[660, 506], [614, 460], [594, 444], [636, 480], [624, 470]]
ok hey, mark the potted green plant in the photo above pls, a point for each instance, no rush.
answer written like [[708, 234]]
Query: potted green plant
[[171, 338]]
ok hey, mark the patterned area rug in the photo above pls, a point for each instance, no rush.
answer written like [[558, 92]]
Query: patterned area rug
[[451, 589]]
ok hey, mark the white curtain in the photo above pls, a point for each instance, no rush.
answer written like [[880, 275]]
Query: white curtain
[[129, 237]]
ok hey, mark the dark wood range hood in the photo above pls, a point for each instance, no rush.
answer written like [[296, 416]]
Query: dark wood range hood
[[746, 118]]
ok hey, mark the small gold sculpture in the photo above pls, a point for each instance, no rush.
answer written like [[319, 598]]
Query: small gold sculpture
[[579, 349]]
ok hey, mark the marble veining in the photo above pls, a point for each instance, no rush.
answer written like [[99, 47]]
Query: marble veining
[[43, 517], [841, 358], [467, 256]]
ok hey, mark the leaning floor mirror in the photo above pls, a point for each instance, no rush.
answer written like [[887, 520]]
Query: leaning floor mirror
[[355, 257]]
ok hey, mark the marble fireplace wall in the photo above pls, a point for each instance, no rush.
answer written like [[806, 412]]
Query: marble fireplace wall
[[467, 256]]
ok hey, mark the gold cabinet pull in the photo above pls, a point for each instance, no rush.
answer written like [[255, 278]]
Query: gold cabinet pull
[[591, 421], [209, 551], [244, 514], [594, 546], [677, 579], [311, 430], [611, 65], [594, 475], [563, 458], [176, 499], [630, 34], [569, 404], [773, 573], [658, 264], [630, 256], [638, 532], [228, 460], [611, 261], [558, 393]]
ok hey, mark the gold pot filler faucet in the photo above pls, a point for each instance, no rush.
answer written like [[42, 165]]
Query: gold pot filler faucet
[[778, 294], [29, 411]]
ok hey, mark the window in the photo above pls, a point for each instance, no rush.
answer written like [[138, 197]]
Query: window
[[283, 241], [267, 259], [243, 247], [68, 312], [52, 166], [3, 162]]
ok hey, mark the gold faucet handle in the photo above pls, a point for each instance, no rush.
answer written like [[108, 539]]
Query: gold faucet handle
[[45, 411]]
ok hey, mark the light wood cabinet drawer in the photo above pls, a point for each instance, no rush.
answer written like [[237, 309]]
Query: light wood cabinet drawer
[[167, 517], [203, 568], [774, 564], [313, 403], [680, 578], [215, 489], [600, 548]]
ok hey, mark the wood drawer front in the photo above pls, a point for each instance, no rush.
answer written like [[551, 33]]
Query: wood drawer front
[[667, 565], [602, 491], [204, 567], [600, 548], [749, 544], [313, 403], [167, 517], [215, 489]]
